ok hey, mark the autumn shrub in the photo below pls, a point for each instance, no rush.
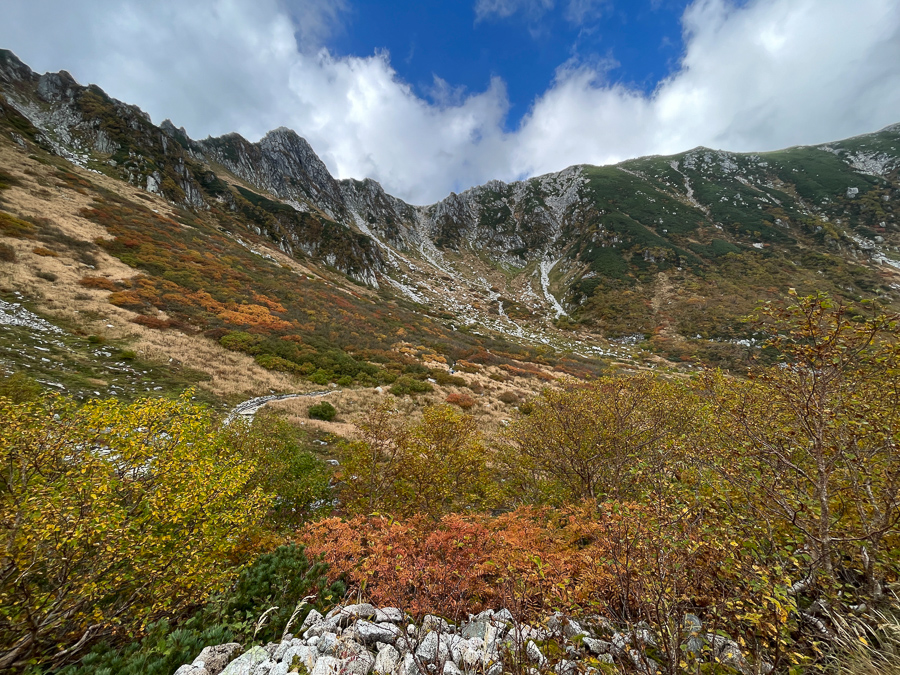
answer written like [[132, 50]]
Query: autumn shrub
[[625, 560], [508, 396], [151, 322], [44, 252], [812, 442], [101, 283], [444, 378], [460, 400], [7, 253], [10, 226], [434, 466], [468, 367], [599, 439], [117, 514]]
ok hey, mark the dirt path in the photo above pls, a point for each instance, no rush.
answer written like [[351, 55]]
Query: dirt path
[[250, 407]]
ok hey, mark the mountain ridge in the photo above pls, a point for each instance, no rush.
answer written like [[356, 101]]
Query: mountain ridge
[[604, 249]]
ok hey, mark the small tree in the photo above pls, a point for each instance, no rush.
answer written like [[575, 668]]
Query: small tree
[[435, 466], [818, 436], [597, 440]]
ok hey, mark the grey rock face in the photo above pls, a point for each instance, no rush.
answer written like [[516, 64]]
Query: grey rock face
[[440, 652], [352, 612], [327, 643], [311, 619], [597, 646], [360, 663], [534, 653], [728, 652], [301, 655], [435, 623], [189, 669], [410, 667], [282, 163], [559, 623], [477, 628]]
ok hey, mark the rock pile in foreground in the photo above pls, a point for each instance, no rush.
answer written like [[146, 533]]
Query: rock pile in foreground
[[362, 639]]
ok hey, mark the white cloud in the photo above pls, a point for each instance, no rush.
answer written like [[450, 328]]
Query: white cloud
[[768, 74], [503, 9], [576, 11], [581, 11]]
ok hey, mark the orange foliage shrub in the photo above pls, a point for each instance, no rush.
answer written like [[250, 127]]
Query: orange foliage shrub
[[467, 366], [464, 401], [98, 282], [45, 252], [253, 315], [274, 305], [532, 559], [152, 322], [127, 300]]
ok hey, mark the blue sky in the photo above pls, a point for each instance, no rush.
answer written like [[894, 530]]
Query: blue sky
[[430, 97], [639, 41]]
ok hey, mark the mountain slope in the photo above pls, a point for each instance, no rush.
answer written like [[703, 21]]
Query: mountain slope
[[665, 252]]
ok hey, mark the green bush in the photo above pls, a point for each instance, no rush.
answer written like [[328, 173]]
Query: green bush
[[320, 377], [322, 411], [281, 578], [240, 341], [406, 385], [300, 481], [19, 388], [160, 652]]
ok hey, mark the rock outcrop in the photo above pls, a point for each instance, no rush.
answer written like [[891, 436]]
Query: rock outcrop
[[362, 639]]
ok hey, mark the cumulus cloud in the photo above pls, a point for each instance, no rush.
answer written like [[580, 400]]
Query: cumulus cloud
[[756, 76], [766, 75]]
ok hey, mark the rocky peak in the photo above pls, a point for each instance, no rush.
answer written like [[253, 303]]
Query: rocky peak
[[57, 87], [282, 163], [379, 214], [12, 70]]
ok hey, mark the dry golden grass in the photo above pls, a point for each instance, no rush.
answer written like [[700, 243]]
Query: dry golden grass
[[232, 374], [352, 405]]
